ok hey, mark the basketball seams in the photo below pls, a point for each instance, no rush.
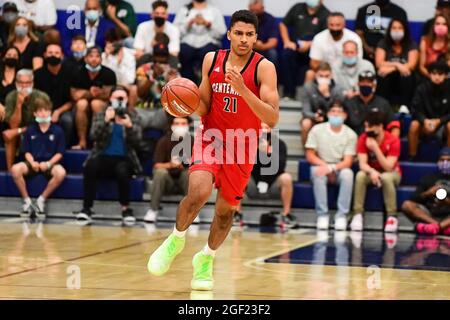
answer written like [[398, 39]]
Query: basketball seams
[[181, 100]]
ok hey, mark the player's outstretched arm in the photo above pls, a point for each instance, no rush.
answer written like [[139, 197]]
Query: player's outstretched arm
[[267, 106], [205, 86]]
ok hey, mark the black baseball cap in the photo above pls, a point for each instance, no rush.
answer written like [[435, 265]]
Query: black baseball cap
[[10, 6], [443, 3], [367, 75], [160, 49]]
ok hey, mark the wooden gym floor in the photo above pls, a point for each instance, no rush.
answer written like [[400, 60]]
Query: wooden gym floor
[[108, 261]]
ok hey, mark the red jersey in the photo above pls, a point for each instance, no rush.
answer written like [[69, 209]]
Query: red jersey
[[390, 147]]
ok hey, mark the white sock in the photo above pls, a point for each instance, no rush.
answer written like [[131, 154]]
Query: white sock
[[27, 201], [208, 251], [179, 234]]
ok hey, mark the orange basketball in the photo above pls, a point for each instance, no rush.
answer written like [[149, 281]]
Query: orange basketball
[[180, 97]]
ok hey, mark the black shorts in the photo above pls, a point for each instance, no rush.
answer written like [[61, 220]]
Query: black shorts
[[31, 173]]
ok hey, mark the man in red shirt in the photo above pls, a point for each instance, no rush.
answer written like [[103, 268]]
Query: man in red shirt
[[378, 154]]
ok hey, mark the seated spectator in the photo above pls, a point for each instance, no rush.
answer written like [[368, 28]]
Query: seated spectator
[[268, 31], [121, 60], [93, 27], [330, 149], [430, 108], [9, 14], [163, 38], [346, 70], [122, 14], [442, 7], [78, 49], [202, 27], [367, 101], [435, 44], [145, 34], [373, 29], [90, 89], [19, 107], [23, 38], [116, 134], [54, 79], [170, 170], [378, 154], [41, 12], [306, 20], [317, 98], [327, 45], [43, 147], [151, 78], [430, 213], [278, 184], [396, 59]]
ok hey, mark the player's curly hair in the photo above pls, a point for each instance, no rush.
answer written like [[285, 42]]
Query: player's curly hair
[[245, 16]]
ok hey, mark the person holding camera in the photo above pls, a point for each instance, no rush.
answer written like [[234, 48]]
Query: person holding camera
[[90, 89], [170, 168], [429, 206], [317, 97], [116, 133], [378, 153]]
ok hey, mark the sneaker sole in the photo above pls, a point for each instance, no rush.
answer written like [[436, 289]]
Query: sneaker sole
[[83, 216]]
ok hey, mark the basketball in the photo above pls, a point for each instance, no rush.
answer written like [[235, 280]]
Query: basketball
[[180, 97]]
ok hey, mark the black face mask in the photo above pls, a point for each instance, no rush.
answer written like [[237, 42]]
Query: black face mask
[[336, 34], [383, 3], [53, 61], [365, 90], [200, 1], [11, 62], [159, 22]]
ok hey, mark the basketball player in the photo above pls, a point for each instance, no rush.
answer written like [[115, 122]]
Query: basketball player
[[238, 91]]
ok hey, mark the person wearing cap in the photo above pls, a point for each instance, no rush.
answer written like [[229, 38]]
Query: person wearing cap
[[41, 12], [202, 27], [430, 108], [368, 101], [429, 206], [144, 40], [378, 158], [9, 15], [347, 69], [442, 7], [90, 89], [367, 28], [330, 149]]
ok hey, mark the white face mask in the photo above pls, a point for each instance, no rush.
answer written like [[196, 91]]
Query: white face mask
[[323, 81], [27, 90], [180, 131]]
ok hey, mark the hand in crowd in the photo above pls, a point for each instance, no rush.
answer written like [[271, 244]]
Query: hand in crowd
[[403, 69], [2, 113], [324, 89], [95, 91], [175, 163], [305, 46], [111, 10], [109, 114], [385, 71], [126, 122], [43, 166], [318, 117], [21, 97], [430, 125], [290, 45], [322, 171], [375, 177], [55, 116], [432, 191], [35, 166], [372, 144]]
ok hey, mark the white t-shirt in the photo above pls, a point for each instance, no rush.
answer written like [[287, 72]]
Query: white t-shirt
[[146, 32], [324, 48], [42, 12], [126, 70]]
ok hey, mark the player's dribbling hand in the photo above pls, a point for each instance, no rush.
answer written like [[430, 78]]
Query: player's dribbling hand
[[234, 77]]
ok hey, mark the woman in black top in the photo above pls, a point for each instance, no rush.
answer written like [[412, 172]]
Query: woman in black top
[[396, 59], [23, 38], [8, 70]]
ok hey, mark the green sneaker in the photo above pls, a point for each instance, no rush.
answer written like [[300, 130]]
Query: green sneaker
[[160, 260], [203, 272]]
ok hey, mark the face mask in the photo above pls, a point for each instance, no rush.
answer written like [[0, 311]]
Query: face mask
[[27, 90], [323, 81], [350, 61], [383, 3], [397, 35], [79, 54], [93, 69], [11, 62], [336, 121], [119, 104], [444, 167], [9, 17], [200, 1], [180, 131], [21, 31], [312, 3], [336, 33], [44, 120], [92, 15], [53, 61], [366, 90], [159, 22], [441, 30]]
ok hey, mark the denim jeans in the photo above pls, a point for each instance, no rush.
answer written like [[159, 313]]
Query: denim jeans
[[345, 182]]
